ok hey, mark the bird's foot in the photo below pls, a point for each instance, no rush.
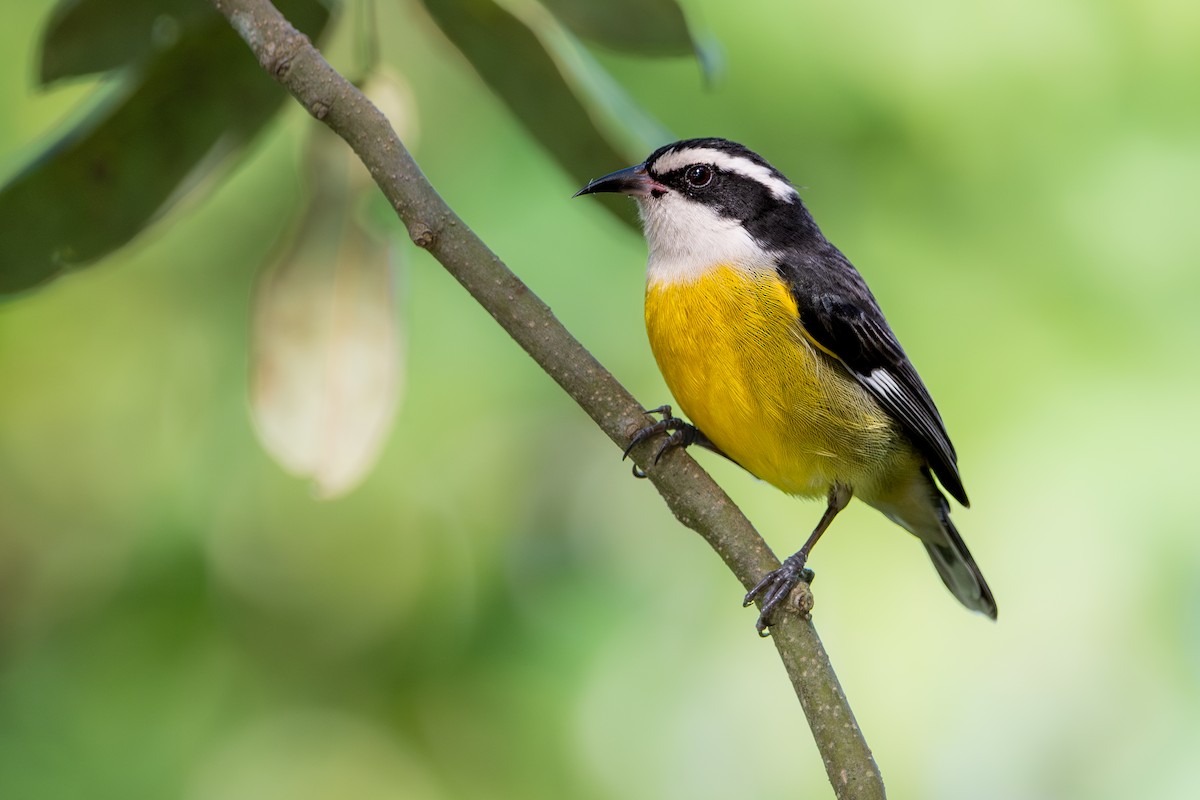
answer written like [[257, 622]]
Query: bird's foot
[[682, 434], [777, 586]]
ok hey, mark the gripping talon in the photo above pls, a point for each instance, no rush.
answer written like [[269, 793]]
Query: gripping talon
[[681, 433], [642, 434], [680, 437], [776, 587], [778, 584]]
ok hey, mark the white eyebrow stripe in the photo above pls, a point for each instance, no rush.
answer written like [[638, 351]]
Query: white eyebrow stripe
[[676, 159]]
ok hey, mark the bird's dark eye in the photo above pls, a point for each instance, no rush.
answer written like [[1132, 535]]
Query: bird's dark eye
[[698, 176]]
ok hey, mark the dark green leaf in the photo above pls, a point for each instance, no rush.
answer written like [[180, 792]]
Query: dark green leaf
[[646, 27], [512, 61], [88, 36], [614, 113], [98, 187]]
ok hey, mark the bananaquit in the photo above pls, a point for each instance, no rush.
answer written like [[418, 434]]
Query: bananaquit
[[774, 347]]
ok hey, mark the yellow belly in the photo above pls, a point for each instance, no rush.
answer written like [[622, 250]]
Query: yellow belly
[[734, 356]]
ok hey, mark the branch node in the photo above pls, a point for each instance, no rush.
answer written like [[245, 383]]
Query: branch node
[[422, 235], [319, 109], [802, 600]]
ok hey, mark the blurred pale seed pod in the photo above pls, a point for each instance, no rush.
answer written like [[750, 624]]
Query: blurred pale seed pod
[[327, 356]]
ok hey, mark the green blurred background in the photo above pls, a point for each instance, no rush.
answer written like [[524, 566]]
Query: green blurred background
[[500, 611]]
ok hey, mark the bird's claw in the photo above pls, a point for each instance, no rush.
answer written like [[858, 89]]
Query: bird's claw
[[777, 586], [682, 434]]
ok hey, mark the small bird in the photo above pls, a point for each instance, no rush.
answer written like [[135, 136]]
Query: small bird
[[774, 347]]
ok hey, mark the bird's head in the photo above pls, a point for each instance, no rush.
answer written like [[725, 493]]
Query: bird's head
[[708, 201]]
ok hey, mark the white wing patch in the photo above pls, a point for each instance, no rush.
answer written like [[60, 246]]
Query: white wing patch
[[883, 381], [903, 405], [676, 159]]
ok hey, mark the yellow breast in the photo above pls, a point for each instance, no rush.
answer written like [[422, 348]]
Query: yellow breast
[[732, 350]]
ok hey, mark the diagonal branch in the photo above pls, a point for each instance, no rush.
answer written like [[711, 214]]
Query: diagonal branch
[[693, 497]]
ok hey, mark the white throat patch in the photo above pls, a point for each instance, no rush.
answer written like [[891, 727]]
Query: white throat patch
[[687, 240], [675, 159]]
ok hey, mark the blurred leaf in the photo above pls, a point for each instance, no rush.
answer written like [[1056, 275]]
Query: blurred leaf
[[326, 366], [91, 192], [645, 27], [511, 59], [89, 36], [615, 114]]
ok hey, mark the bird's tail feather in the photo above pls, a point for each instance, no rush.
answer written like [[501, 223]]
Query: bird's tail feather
[[957, 569]]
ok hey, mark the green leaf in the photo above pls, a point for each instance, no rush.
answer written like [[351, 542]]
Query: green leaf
[[615, 114], [89, 36], [189, 108], [510, 59], [645, 27]]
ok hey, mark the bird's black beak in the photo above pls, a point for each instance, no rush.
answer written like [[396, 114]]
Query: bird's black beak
[[633, 181]]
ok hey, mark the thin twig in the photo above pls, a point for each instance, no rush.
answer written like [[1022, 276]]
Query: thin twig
[[693, 497]]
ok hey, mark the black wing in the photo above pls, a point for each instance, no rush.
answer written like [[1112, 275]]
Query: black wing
[[841, 316]]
